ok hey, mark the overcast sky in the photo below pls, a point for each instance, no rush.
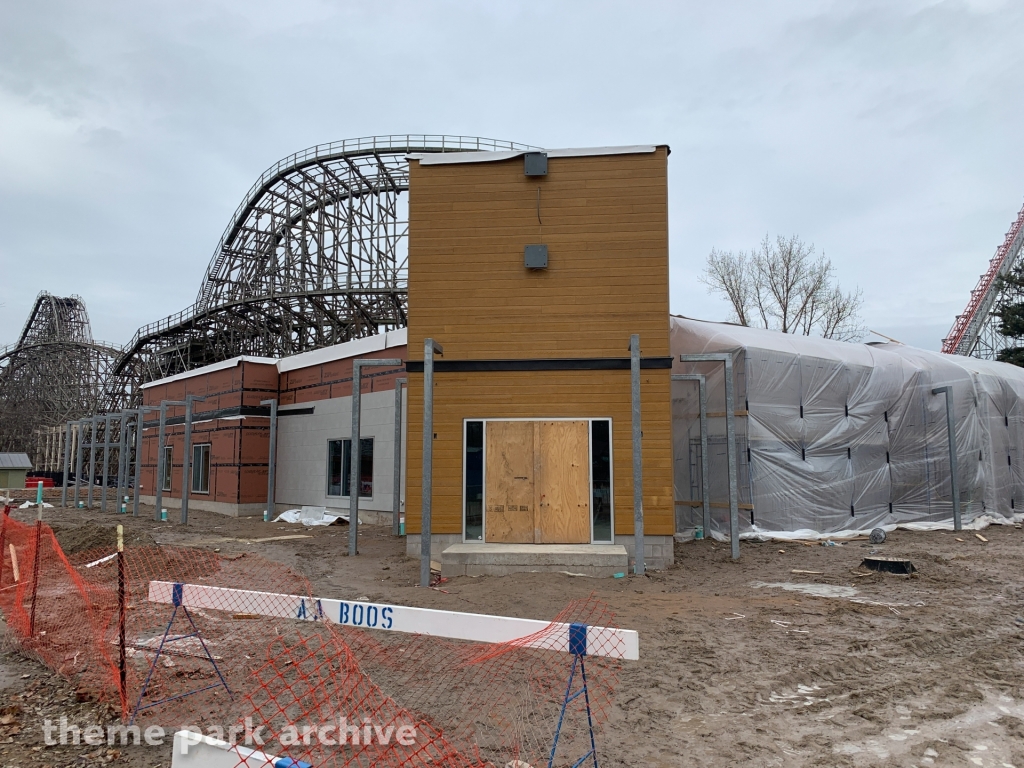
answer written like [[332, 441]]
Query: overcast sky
[[887, 133]]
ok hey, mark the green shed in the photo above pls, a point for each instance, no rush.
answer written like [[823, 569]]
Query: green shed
[[13, 468]]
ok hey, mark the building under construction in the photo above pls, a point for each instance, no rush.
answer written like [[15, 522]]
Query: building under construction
[[490, 360]]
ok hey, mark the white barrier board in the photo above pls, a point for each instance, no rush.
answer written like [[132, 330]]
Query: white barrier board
[[193, 750], [476, 627]]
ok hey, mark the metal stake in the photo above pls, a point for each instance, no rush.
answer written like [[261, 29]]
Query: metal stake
[[705, 485], [396, 502], [951, 432], [429, 348], [638, 461], [271, 457]]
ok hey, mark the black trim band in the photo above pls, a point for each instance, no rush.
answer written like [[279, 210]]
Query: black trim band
[[295, 411], [221, 413], [558, 364]]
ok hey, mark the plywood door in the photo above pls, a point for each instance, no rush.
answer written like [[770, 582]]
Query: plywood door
[[509, 477], [563, 482]]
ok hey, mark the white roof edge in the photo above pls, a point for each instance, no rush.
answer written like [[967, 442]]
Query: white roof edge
[[352, 348], [452, 158], [347, 349], [211, 368]]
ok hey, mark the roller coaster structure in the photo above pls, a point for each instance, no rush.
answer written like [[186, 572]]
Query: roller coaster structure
[[975, 333], [314, 255]]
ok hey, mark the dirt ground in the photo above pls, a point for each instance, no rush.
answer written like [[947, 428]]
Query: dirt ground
[[746, 663]]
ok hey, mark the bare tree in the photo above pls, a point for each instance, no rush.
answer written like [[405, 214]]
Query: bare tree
[[785, 286]]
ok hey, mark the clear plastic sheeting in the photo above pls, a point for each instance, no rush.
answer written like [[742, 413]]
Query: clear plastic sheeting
[[836, 437]]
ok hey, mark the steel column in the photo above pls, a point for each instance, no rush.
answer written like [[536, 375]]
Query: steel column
[[186, 471], [429, 348], [106, 461], [730, 435], [67, 466], [638, 461], [356, 454], [139, 429], [94, 421], [396, 502], [951, 433], [122, 458], [271, 457], [79, 448], [705, 485]]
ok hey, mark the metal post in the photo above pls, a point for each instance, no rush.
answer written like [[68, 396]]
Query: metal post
[[79, 451], [705, 485], [730, 435], [106, 461], [638, 461], [94, 422], [67, 465], [396, 504], [139, 429], [271, 457], [429, 348], [122, 458], [355, 453], [187, 465], [161, 470], [951, 432]]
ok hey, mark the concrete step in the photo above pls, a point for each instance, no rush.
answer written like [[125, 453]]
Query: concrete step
[[479, 559]]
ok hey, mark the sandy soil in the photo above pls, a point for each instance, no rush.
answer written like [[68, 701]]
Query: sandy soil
[[742, 663]]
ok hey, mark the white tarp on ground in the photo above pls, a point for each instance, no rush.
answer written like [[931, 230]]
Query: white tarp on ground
[[845, 437]]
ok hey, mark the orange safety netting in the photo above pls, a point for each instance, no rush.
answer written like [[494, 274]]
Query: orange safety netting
[[314, 691]]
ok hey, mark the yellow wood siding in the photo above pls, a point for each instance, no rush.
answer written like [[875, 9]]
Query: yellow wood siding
[[605, 222]]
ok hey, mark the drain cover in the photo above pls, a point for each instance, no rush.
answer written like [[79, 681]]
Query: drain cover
[[888, 565]]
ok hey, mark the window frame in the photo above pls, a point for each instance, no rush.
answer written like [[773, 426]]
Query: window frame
[[200, 470], [165, 481], [590, 469], [345, 476]]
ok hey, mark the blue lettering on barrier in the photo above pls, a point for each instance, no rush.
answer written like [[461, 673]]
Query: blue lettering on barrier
[[371, 616], [357, 614], [303, 614], [343, 613], [385, 615]]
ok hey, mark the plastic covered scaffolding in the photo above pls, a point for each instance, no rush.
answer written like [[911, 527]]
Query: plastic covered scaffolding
[[833, 436]]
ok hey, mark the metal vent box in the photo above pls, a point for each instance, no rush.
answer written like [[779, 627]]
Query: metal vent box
[[535, 164], [536, 257]]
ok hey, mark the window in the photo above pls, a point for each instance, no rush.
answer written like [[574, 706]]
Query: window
[[166, 479], [339, 463], [601, 477], [474, 481], [201, 468]]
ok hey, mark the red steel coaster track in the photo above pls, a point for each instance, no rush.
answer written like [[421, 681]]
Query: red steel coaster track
[[975, 332]]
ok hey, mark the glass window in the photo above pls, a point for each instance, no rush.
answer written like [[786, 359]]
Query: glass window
[[339, 460], [474, 481], [166, 480], [201, 468], [601, 474]]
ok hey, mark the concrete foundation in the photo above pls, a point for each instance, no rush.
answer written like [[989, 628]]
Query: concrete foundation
[[658, 553], [475, 559], [220, 507]]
